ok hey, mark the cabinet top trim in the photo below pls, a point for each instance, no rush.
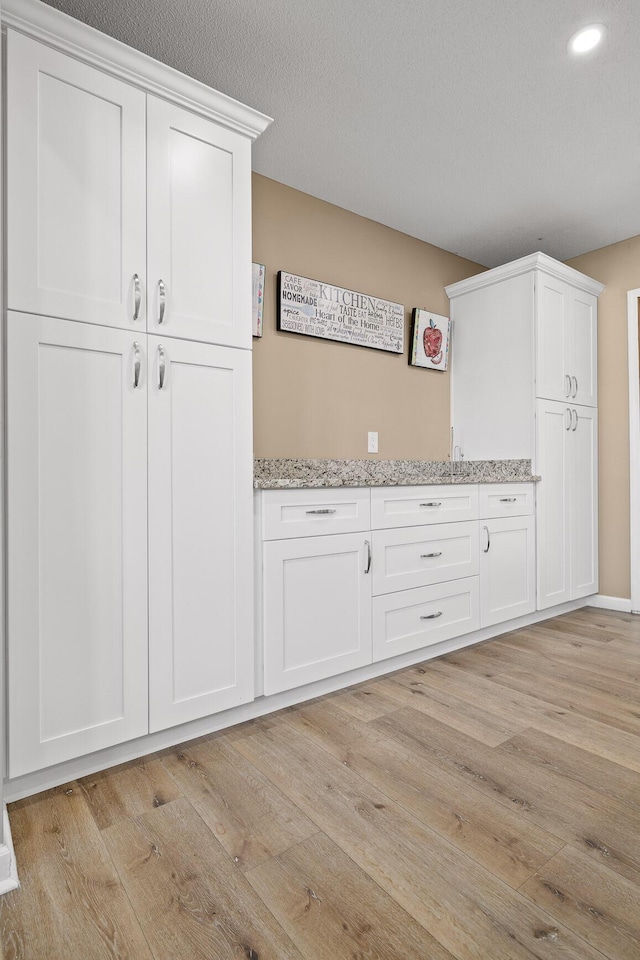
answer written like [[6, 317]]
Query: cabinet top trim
[[63, 33], [535, 261]]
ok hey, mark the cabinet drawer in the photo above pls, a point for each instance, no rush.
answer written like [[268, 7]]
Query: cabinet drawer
[[410, 506], [506, 500], [419, 556], [419, 618], [311, 513]]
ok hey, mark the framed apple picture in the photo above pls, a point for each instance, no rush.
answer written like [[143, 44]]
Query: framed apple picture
[[430, 335]]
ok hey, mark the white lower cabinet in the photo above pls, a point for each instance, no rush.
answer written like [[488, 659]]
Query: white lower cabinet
[[332, 603], [507, 569], [129, 595], [567, 496], [412, 619], [77, 540], [317, 608], [200, 530]]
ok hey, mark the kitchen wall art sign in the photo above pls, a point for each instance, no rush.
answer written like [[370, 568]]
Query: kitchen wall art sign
[[259, 273], [430, 335], [322, 310]]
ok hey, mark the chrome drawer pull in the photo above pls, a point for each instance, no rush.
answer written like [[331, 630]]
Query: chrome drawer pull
[[432, 616], [425, 556], [136, 365], [136, 296], [368, 566], [568, 382], [161, 368], [323, 512], [508, 499], [162, 298], [486, 549], [574, 392], [432, 503]]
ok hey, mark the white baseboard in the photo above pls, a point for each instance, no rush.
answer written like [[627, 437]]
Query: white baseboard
[[8, 868], [31, 783], [621, 604]]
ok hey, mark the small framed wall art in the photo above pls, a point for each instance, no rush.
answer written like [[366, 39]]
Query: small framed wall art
[[430, 335], [259, 273]]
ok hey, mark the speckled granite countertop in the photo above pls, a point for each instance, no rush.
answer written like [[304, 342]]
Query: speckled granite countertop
[[275, 474]]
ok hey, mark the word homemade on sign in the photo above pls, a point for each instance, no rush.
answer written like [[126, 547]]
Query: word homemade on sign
[[321, 310]]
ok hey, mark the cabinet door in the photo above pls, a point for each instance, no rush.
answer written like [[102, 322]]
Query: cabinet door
[[77, 540], [553, 337], [200, 531], [584, 502], [583, 333], [76, 207], [199, 211], [317, 609], [553, 423], [507, 569]]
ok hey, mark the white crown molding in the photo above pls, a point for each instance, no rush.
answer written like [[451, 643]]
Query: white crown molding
[[58, 30], [535, 261]]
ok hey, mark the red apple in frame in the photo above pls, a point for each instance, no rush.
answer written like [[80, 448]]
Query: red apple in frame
[[430, 338], [432, 342]]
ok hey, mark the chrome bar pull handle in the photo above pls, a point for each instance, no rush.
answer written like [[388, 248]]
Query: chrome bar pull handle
[[368, 566], [426, 556], [575, 425], [432, 616], [161, 368], [568, 425], [488, 546], [136, 365], [137, 298], [323, 512], [432, 503], [162, 300], [568, 385], [508, 499], [574, 393]]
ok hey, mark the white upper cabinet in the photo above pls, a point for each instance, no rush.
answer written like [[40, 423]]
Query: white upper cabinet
[[199, 254], [125, 210], [566, 335], [583, 350], [77, 540], [200, 530], [76, 245], [524, 331]]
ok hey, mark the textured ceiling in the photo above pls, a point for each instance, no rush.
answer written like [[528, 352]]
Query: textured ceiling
[[465, 123]]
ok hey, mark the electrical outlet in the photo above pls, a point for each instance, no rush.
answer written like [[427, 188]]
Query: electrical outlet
[[372, 442]]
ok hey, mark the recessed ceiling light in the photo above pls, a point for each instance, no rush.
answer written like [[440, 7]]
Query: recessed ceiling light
[[587, 38]]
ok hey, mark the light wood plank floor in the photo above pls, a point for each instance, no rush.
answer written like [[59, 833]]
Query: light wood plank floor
[[482, 806]]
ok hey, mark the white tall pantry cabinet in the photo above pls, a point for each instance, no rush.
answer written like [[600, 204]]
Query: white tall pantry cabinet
[[524, 385], [129, 440]]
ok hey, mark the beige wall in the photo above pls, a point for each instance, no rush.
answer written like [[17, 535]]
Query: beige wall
[[618, 266], [316, 398]]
